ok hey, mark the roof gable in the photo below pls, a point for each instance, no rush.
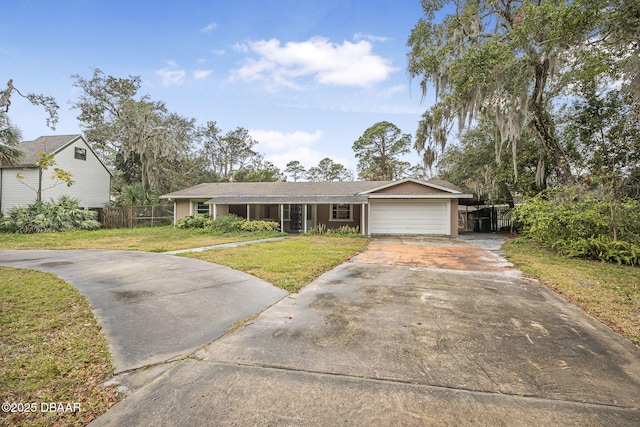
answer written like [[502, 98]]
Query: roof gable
[[414, 186], [44, 144], [52, 144]]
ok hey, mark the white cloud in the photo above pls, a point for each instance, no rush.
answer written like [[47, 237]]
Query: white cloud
[[370, 37], [218, 51], [171, 77], [276, 141], [385, 93], [241, 47], [282, 147], [346, 64], [202, 74], [212, 26]]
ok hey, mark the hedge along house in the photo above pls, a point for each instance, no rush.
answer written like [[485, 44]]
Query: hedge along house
[[408, 206]]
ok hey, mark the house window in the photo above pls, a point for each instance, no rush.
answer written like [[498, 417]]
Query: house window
[[80, 153], [201, 208], [341, 212]]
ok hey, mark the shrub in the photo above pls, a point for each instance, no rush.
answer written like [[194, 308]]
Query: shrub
[[579, 224], [195, 221], [42, 217], [259, 226], [344, 230], [227, 223]]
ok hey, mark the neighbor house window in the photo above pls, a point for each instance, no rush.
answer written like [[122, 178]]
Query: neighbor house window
[[340, 212], [80, 153], [201, 208]]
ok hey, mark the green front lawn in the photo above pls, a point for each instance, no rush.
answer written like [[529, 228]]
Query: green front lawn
[[51, 351], [610, 292], [149, 239], [291, 263]]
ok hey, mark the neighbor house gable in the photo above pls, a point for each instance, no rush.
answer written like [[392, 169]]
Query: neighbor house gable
[[92, 180]]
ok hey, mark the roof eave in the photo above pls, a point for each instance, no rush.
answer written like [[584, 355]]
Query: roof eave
[[422, 196]]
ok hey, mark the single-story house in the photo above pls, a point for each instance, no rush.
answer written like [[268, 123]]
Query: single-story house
[[407, 206], [92, 179]]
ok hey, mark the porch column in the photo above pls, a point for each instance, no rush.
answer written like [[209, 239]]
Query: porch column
[[175, 208], [305, 218], [215, 211], [248, 211], [362, 219], [368, 218], [281, 218]]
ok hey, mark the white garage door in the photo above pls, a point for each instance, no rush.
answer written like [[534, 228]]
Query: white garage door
[[409, 216]]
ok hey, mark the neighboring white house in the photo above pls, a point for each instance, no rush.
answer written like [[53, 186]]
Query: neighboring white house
[[92, 180]]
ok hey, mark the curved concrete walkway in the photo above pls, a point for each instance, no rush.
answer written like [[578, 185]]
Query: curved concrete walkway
[[153, 307]]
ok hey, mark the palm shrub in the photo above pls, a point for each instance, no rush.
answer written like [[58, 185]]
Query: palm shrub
[[41, 217]]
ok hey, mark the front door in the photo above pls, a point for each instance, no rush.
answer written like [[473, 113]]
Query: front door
[[295, 217]]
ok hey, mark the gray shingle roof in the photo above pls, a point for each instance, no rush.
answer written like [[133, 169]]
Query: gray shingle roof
[[275, 189], [289, 192], [44, 144]]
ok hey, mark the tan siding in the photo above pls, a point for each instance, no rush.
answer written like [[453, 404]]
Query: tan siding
[[324, 217], [182, 208], [454, 217], [409, 188], [222, 210], [323, 214]]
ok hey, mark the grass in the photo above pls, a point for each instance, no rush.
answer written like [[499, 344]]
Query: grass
[[51, 350], [291, 263], [609, 292], [149, 239]]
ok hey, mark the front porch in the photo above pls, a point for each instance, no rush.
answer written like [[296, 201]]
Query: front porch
[[298, 217]]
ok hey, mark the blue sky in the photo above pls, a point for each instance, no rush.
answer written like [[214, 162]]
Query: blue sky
[[307, 78]]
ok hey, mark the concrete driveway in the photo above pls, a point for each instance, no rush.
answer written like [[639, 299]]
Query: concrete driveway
[[377, 343], [153, 308]]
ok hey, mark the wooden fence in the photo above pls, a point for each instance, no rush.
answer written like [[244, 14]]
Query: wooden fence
[[136, 216]]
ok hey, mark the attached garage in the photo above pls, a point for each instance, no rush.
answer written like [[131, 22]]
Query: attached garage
[[409, 216]]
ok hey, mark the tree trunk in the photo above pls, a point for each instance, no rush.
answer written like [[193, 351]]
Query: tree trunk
[[544, 128], [39, 192]]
